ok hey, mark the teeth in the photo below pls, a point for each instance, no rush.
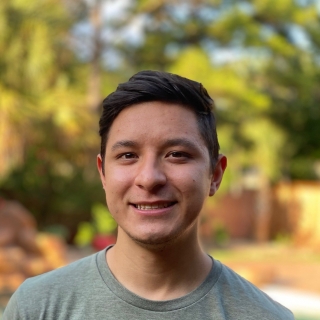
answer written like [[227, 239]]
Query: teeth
[[151, 207]]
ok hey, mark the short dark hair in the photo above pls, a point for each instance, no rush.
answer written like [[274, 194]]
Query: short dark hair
[[146, 86]]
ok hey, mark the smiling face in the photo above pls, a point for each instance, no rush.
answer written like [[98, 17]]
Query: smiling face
[[157, 172]]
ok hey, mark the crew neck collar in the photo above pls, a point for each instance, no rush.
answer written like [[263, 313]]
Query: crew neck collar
[[167, 305]]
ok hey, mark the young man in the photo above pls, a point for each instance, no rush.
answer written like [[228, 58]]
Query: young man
[[159, 161]]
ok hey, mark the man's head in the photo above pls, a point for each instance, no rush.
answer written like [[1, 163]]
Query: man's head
[[159, 157], [147, 86]]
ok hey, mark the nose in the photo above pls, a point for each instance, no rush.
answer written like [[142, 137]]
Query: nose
[[150, 174]]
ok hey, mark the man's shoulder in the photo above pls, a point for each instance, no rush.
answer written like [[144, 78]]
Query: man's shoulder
[[67, 276], [242, 296], [52, 295]]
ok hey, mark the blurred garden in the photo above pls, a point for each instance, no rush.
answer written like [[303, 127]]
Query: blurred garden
[[259, 60]]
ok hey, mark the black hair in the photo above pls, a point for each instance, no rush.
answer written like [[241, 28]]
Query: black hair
[[146, 86]]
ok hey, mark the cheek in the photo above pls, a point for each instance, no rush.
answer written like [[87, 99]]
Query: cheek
[[115, 186], [116, 179], [191, 182]]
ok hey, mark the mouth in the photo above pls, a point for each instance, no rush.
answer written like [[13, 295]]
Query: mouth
[[154, 206]]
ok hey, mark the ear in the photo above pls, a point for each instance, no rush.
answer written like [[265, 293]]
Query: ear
[[217, 174], [100, 169]]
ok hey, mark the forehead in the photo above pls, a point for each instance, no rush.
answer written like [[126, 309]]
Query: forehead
[[155, 120]]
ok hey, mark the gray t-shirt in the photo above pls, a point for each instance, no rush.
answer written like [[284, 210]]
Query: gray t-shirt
[[86, 289]]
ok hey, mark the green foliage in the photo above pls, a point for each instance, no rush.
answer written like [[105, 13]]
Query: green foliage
[[102, 223], [283, 238], [37, 70], [272, 77], [47, 133], [84, 234], [259, 60], [220, 234], [54, 187]]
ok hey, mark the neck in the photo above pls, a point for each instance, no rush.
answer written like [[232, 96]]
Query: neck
[[158, 273]]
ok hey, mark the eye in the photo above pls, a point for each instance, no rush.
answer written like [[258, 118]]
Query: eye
[[127, 156], [178, 155]]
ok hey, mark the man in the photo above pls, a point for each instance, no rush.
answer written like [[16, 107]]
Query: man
[[159, 161]]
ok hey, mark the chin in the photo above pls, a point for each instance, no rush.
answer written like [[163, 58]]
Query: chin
[[155, 242]]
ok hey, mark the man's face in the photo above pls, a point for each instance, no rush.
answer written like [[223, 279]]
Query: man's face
[[157, 172]]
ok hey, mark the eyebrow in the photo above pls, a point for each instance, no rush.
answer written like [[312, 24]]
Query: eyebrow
[[180, 142], [124, 143], [169, 143]]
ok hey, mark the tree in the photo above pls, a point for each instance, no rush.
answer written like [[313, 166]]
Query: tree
[[45, 157], [272, 72]]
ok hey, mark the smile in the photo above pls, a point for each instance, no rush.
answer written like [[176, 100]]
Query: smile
[[153, 206]]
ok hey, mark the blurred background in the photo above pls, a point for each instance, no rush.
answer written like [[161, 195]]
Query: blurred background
[[258, 59]]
